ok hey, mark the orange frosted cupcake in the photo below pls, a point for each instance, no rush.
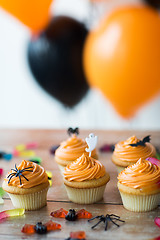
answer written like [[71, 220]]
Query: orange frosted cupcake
[[85, 180], [139, 186], [130, 151], [27, 186], [70, 150]]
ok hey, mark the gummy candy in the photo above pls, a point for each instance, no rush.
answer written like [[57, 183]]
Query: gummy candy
[[49, 174], [7, 156], [52, 226], [40, 228], [27, 228], [157, 221], [78, 235], [2, 192], [37, 160], [31, 145], [153, 161], [2, 154], [83, 214], [28, 153], [71, 216], [61, 213], [20, 147], [12, 213], [107, 148], [15, 153], [53, 149], [1, 171]]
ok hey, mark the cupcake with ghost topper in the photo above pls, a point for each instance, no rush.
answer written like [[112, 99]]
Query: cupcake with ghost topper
[[27, 185], [85, 178], [71, 149], [131, 150]]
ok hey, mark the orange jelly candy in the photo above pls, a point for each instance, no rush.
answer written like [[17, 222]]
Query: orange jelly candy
[[61, 213], [27, 228], [78, 235], [83, 214], [52, 226]]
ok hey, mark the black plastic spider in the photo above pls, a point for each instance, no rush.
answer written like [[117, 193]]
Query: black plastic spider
[[18, 173], [108, 218]]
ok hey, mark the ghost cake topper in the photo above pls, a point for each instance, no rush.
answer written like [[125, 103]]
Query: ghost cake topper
[[91, 142], [71, 131]]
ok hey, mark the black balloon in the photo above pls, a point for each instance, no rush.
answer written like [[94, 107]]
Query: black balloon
[[55, 59], [154, 3]]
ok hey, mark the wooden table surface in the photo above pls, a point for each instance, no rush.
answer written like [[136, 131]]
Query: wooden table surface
[[137, 226]]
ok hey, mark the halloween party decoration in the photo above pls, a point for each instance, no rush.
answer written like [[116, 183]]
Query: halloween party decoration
[[71, 131], [106, 219], [141, 142], [40, 228], [153, 3], [121, 58], [80, 235], [34, 14], [19, 173], [55, 59]]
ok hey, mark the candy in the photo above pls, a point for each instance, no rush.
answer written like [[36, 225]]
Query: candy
[[158, 156], [32, 145], [1, 201], [153, 161], [83, 214], [28, 153], [23, 147], [78, 235], [15, 153], [12, 213], [37, 160], [2, 192], [20, 147], [157, 221], [71, 215], [2, 154], [107, 148], [40, 228], [1, 171], [49, 174], [61, 213], [53, 149], [7, 156], [52, 226], [29, 229]]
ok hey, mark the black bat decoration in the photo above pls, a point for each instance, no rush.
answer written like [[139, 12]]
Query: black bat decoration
[[73, 131], [141, 142]]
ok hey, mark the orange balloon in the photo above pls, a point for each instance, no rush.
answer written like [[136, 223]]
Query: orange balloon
[[33, 13], [122, 58]]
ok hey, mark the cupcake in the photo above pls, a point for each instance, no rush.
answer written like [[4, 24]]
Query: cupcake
[[130, 151], [27, 186], [70, 150], [139, 186], [85, 180]]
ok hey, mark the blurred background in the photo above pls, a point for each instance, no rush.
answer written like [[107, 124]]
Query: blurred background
[[65, 74]]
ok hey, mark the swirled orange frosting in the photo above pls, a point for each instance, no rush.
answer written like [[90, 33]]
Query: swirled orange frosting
[[84, 168], [124, 152], [142, 175], [35, 176], [72, 148]]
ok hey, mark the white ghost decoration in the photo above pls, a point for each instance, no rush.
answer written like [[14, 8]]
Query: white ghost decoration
[[92, 142]]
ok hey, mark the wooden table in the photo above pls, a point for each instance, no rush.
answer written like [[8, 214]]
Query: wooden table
[[137, 225]]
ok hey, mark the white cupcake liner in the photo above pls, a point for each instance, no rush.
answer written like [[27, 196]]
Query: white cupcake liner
[[85, 195], [32, 201], [140, 203]]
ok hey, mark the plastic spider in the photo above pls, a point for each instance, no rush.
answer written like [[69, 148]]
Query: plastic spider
[[108, 218], [18, 173]]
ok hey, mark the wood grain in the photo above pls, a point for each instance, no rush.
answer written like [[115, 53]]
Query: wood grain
[[138, 225]]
